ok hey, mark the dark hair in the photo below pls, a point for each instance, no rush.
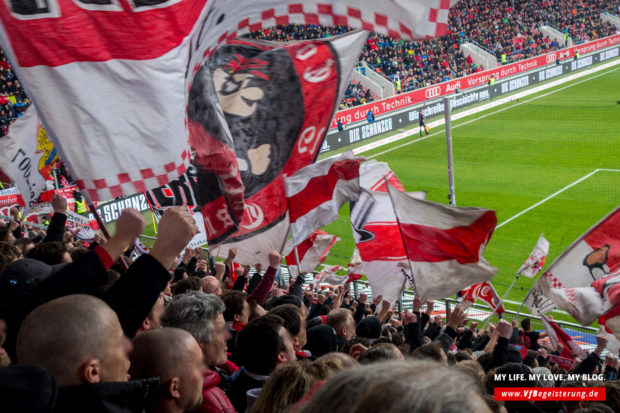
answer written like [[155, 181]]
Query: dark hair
[[530, 359], [78, 253], [51, 253], [233, 300], [8, 254], [379, 352], [178, 274], [429, 351], [22, 242], [189, 284], [463, 355], [526, 323], [4, 232], [291, 315], [259, 343]]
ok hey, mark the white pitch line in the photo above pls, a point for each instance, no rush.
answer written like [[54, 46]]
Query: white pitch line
[[482, 108], [407, 133], [583, 178]]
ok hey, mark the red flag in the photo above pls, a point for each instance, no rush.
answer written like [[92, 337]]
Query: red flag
[[485, 292], [312, 252], [559, 336], [316, 193], [536, 261], [444, 244]]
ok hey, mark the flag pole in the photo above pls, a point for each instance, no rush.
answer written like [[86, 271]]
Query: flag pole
[[387, 185], [447, 116], [501, 301], [102, 227], [521, 307]]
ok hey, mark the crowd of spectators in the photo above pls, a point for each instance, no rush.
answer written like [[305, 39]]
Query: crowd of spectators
[[13, 99], [356, 95], [510, 28], [87, 329]]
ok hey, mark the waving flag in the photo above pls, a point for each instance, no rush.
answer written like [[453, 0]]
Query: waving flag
[[559, 336], [485, 292], [316, 193], [328, 276], [536, 261], [27, 156], [140, 79], [444, 244], [354, 269], [376, 233], [583, 279], [312, 252]]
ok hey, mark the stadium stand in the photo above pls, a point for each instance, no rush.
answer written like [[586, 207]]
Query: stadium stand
[[13, 99]]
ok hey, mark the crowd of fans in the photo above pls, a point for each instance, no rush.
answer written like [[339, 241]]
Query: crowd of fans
[[87, 329], [356, 95], [509, 28], [13, 99]]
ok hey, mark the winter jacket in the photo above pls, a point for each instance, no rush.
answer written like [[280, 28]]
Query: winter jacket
[[214, 400]]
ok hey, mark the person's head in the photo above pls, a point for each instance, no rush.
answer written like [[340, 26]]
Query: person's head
[[153, 320], [474, 369], [322, 339], [530, 359], [175, 357], [237, 308], [369, 327], [211, 285], [189, 284], [6, 235], [381, 352], [432, 351], [78, 252], [264, 344], [294, 322], [398, 386], [179, 274], [286, 386], [8, 254], [342, 321], [201, 315], [77, 338], [51, 253], [526, 324], [24, 245]]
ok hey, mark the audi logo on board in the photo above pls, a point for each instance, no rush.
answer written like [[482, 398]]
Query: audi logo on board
[[432, 92], [551, 58]]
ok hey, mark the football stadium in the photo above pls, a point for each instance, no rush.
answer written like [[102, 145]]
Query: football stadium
[[273, 206]]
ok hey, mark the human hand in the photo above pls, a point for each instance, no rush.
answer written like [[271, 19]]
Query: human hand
[[258, 267], [129, 226], [59, 204], [363, 298], [220, 269], [456, 317], [429, 307], [417, 303], [176, 229], [515, 323], [15, 213], [274, 259], [473, 325], [357, 350], [601, 343], [376, 300], [232, 253], [504, 329], [542, 352], [409, 318], [321, 298]]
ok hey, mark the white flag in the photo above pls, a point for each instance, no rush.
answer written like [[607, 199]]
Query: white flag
[[536, 261]]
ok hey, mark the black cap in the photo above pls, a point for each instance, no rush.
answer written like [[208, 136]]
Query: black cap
[[321, 340], [21, 276], [369, 327]]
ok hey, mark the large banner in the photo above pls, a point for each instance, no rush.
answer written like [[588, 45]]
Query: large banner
[[121, 85]]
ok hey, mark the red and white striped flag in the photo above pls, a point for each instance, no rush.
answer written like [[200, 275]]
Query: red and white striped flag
[[536, 261], [557, 335], [376, 233], [485, 292], [444, 244], [316, 193], [312, 252]]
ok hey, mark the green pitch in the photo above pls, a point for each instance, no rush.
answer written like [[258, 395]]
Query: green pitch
[[514, 157]]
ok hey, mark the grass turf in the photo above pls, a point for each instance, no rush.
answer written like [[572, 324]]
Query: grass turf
[[512, 159]]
